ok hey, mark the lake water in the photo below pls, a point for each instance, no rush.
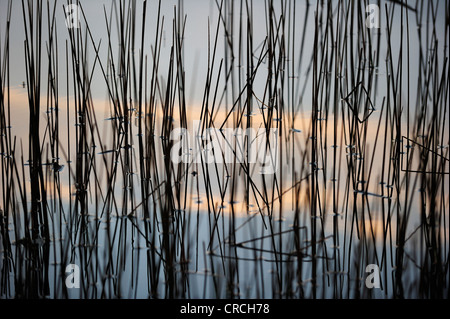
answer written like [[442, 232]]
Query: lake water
[[347, 166]]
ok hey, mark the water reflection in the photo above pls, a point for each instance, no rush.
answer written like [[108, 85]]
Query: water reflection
[[359, 179]]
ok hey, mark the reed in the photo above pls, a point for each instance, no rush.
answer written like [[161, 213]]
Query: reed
[[361, 122]]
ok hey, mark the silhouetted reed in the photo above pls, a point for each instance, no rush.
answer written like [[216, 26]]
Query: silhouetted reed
[[362, 154]]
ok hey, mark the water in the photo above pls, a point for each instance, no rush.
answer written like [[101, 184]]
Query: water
[[353, 172]]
